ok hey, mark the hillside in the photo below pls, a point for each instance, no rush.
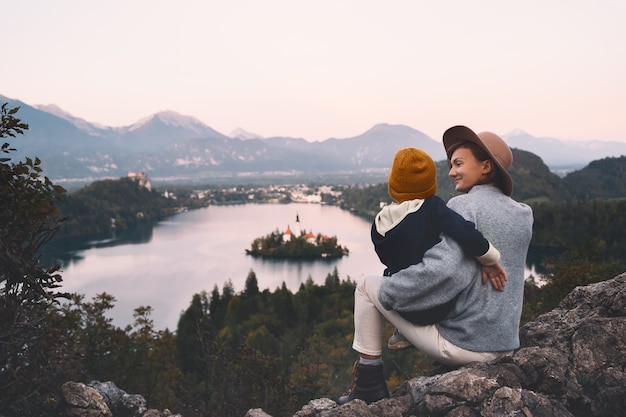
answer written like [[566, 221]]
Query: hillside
[[111, 205], [604, 178], [533, 180]]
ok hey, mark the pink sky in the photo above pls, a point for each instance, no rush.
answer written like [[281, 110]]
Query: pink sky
[[320, 69]]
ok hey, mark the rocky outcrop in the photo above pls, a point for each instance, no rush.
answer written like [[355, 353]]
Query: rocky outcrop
[[105, 399], [589, 329], [572, 363]]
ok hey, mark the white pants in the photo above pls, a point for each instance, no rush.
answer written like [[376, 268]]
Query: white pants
[[369, 317]]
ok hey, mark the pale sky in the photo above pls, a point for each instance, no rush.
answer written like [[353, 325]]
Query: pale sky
[[325, 68]]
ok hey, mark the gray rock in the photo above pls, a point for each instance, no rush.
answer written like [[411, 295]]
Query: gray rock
[[256, 412], [84, 401], [105, 399], [318, 407]]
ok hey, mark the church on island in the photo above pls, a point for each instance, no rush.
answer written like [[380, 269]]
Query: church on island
[[296, 243], [297, 232]]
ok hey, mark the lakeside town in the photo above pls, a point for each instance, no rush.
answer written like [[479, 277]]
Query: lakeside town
[[260, 194], [276, 194]]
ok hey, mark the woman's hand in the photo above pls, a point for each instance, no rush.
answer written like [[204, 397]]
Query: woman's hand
[[494, 273]]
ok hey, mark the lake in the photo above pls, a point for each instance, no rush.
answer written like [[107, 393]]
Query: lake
[[165, 265]]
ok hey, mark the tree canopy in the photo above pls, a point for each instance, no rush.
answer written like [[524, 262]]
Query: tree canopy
[[28, 219]]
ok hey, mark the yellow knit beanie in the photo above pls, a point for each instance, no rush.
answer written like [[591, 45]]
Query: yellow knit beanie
[[413, 175]]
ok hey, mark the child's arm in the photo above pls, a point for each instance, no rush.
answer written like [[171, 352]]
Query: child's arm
[[492, 270], [494, 273]]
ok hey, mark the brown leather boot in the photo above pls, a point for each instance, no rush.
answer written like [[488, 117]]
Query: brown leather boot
[[368, 385]]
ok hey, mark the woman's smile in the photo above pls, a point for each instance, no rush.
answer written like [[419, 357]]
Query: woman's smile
[[466, 170]]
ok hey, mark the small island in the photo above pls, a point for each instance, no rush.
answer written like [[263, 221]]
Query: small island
[[296, 244]]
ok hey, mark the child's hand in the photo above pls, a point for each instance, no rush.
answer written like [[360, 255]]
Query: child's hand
[[495, 274]]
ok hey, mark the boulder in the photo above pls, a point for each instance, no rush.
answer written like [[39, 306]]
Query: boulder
[[105, 399]]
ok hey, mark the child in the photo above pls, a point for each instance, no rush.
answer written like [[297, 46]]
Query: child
[[404, 230]]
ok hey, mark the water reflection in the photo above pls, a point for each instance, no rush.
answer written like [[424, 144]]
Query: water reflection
[[165, 264], [537, 259], [71, 250]]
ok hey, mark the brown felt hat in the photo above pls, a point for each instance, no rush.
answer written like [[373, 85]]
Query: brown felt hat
[[413, 175], [493, 144]]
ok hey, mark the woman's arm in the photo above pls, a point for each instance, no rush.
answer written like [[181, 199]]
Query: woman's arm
[[443, 273]]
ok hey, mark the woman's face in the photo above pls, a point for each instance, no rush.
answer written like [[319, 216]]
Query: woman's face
[[466, 170]]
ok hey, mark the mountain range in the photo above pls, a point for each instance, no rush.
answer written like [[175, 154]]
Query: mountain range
[[171, 147]]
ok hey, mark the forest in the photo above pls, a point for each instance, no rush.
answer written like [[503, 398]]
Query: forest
[[230, 351]]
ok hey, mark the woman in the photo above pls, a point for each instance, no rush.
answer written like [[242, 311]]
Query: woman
[[484, 323]]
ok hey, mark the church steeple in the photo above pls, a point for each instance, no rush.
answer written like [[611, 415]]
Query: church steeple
[[296, 229]]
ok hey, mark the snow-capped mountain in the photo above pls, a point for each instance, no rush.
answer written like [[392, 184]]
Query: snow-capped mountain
[[170, 145], [161, 131], [172, 119], [91, 128], [239, 133]]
